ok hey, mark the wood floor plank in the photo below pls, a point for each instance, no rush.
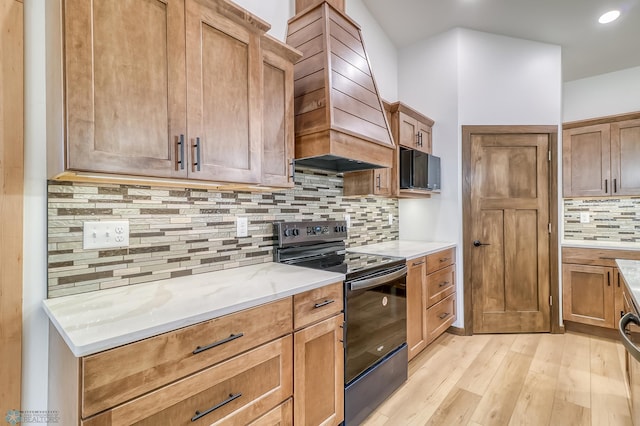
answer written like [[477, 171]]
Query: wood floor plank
[[568, 413], [456, 409], [500, 398], [535, 401], [482, 380], [484, 367]]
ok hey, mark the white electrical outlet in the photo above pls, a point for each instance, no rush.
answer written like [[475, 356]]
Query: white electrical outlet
[[242, 227], [390, 219], [347, 219], [106, 234], [584, 217]]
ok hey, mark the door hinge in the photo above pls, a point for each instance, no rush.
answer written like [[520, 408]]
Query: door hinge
[[549, 227], [549, 155], [550, 300]]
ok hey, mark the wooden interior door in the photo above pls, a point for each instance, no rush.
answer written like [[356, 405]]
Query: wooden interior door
[[224, 112], [509, 181], [125, 86], [11, 203], [625, 157]]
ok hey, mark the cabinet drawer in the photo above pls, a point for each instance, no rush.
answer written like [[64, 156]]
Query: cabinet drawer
[[110, 378], [236, 391], [317, 304], [440, 316], [282, 415], [440, 260], [440, 284]]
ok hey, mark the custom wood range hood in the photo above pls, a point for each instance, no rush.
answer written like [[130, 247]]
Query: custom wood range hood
[[340, 123]]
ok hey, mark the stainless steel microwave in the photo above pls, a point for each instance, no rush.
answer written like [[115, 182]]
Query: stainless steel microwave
[[419, 170]]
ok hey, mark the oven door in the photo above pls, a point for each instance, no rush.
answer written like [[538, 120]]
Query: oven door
[[376, 316]]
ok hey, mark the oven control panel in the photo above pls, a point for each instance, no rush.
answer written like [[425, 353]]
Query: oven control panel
[[294, 233]]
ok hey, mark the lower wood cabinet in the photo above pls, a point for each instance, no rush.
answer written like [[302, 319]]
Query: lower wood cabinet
[[591, 286], [319, 373], [250, 367], [431, 298]]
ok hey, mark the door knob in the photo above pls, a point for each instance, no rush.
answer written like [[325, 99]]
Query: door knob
[[477, 243]]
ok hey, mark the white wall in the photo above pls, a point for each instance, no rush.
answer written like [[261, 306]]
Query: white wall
[[607, 94], [35, 324], [466, 77]]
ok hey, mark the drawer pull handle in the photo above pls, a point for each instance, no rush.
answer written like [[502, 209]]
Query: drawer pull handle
[[321, 304], [444, 283], [445, 259], [199, 415], [443, 316], [218, 343], [418, 263]]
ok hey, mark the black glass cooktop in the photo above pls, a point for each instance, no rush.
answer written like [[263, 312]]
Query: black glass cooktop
[[350, 264]]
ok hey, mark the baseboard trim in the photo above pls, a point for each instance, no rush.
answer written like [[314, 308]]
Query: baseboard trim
[[607, 333], [458, 331]]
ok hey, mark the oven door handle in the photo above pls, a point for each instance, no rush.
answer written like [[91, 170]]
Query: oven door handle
[[376, 281], [628, 344]]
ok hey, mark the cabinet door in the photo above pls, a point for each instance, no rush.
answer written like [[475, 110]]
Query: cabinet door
[[585, 161], [223, 90], [125, 86], [625, 157], [277, 109], [408, 131], [416, 306], [318, 383], [424, 137], [368, 182], [588, 295]]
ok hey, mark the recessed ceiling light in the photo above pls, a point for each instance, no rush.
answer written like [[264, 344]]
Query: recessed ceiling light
[[610, 16]]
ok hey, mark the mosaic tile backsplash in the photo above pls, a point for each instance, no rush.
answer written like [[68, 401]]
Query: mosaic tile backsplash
[[615, 220], [178, 232]]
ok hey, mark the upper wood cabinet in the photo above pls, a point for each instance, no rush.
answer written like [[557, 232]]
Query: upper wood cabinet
[[125, 86], [177, 89], [600, 159], [413, 128]]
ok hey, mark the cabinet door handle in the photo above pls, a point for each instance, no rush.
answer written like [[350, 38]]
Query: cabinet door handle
[[201, 414], [378, 181], [181, 152], [618, 280], [292, 165], [444, 283], [218, 343], [418, 263], [606, 186], [325, 303], [443, 316], [197, 162], [446, 259], [609, 278], [615, 185]]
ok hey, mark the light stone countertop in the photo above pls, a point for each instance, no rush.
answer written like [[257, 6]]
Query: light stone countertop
[[600, 244], [630, 270], [403, 248], [101, 320]]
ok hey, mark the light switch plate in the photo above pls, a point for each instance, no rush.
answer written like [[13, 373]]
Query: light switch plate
[[105, 234], [584, 217], [347, 219], [390, 219], [242, 227]]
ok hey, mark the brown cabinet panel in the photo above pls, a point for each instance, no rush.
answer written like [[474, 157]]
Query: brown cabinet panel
[[282, 415], [440, 317], [315, 305], [319, 394], [110, 378], [416, 306], [588, 294], [441, 284], [239, 390], [368, 182], [441, 260], [224, 111], [625, 157], [586, 160], [125, 86]]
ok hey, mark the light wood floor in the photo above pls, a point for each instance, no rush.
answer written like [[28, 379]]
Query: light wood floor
[[514, 379]]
